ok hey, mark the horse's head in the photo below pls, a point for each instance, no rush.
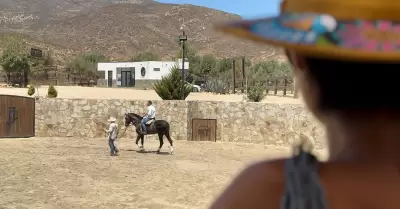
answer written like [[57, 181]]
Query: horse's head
[[132, 118], [128, 120]]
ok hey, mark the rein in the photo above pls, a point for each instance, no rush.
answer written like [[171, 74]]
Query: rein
[[123, 134]]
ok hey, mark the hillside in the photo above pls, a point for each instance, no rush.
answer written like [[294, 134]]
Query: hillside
[[119, 29]]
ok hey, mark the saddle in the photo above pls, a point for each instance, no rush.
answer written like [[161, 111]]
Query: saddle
[[150, 121]]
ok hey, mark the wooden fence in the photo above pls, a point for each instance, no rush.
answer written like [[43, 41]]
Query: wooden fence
[[239, 81], [57, 78], [282, 84]]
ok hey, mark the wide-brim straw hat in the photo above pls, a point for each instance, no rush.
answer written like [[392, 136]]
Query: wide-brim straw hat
[[112, 119], [344, 29]]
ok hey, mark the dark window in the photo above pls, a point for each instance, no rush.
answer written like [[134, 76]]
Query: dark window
[[143, 71], [156, 69]]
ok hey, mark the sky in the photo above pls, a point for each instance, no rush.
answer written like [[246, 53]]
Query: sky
[[244, 8]]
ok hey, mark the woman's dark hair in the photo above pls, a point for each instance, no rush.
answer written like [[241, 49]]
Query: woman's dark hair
[[149, 102], [352, 85]]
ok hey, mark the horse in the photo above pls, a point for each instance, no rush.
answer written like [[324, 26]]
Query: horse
[[160, 127]]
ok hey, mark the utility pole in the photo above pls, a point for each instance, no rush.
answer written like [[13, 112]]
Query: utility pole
[[183, 39]]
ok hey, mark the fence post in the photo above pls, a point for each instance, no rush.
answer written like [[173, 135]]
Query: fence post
[[285, 83], [234, 76], [266, 84], [276, 87], [295, 89]]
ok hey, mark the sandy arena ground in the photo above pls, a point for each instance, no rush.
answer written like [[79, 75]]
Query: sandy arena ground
[[134, 94], [70, 173]]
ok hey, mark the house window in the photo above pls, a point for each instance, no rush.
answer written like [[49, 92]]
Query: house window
[[156, 69]]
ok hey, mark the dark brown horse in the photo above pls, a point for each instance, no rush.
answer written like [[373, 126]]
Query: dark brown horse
[[160, 127]]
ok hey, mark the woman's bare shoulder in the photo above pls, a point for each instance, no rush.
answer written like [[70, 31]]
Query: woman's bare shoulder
[[257, 185]]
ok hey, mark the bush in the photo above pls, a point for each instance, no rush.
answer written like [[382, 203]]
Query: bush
[[31, 90], [169, 87], [52, 92], [216, 86], [255, 93]]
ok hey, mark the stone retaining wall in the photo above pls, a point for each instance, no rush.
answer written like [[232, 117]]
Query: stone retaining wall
[[236, 121]]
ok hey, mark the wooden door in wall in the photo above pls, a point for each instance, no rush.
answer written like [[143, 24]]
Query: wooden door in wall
[[17, 116], [204, 130]]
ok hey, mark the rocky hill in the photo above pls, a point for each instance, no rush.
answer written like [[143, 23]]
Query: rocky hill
[[122, 28]]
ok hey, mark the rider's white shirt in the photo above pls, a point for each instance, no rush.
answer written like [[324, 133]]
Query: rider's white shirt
[[151, 111]]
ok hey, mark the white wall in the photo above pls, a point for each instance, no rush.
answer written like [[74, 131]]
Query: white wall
[[149, 66]]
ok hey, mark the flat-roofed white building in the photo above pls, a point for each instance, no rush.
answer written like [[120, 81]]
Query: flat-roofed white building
[[129, 74]]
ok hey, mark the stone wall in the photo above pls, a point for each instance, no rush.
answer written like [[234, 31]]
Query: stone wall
[[261, 123], [88, 118], [250, 122]]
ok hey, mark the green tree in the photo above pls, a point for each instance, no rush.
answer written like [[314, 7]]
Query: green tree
[[15, 65], [52, 92], [81, 67], [270, 68], [255, 93], [224, 64], [15, 60], [31, 90], [85, 65], [145, 56], [169, 87], [208, 64]]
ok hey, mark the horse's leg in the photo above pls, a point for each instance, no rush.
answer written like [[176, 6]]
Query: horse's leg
[[171, 143], [142, 141], [160, 138], [137, 142]]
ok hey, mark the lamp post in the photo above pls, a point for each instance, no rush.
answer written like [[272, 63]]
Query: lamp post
[[183, 39]]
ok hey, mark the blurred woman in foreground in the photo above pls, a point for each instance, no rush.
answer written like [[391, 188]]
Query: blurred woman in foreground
[[346, 58]]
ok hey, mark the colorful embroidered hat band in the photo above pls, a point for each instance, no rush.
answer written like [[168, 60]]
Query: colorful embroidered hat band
[[324, 35]]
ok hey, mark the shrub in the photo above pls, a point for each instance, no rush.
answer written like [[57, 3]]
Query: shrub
[[169, 87], [216, 86], [255, 93], [31, 90], [52, 92]]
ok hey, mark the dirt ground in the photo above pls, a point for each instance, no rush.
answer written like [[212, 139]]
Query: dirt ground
[[70, 173], [135, 94]]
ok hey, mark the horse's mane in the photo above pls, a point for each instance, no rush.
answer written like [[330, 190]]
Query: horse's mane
[[135, 115]]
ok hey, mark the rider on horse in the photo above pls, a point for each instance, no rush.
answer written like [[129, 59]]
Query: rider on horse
[[150, 115]]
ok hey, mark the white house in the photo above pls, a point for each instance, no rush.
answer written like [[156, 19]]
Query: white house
[[127, 74]]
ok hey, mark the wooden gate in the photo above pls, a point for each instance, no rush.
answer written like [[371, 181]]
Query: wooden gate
[[204, 129], [17, 116]]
